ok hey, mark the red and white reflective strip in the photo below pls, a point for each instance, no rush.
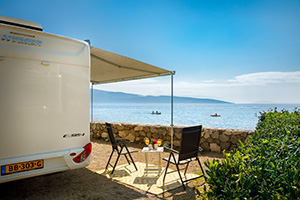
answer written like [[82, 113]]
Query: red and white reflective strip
[[83, 155]]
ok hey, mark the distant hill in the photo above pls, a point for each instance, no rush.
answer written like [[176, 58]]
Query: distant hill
[[101, 96]]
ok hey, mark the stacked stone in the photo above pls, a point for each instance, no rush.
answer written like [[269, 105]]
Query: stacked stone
[[217, 140], [213, 139]]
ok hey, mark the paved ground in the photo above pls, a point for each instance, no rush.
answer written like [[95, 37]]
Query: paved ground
[[86, 184]]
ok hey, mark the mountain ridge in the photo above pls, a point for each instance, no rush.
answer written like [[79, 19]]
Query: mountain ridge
[[101, 96]]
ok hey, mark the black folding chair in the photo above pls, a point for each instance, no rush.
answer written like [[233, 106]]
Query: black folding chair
[[190, 142], [118, 145]]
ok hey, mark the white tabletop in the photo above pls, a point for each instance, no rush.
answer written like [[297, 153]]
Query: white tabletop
[[147, 150]]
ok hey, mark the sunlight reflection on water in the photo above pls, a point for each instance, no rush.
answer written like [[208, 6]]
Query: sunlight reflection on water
[[235, 116]]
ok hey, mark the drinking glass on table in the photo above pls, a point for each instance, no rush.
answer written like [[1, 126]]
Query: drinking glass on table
[[159, 142], [146, 141]]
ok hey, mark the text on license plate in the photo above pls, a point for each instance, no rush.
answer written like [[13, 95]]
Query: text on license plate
[[20, 167]]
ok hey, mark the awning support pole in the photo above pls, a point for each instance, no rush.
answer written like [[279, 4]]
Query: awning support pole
[[172, 131]]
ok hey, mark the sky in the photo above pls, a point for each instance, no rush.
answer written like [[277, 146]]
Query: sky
[[242, 51]]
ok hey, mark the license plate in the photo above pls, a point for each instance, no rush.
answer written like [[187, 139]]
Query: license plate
[[20, 167]]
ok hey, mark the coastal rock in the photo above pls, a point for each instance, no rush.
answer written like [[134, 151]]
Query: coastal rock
[[164, 132], [120, 127], [206, 135], [153, 129], [234, 139], [202, 140], [97, 135], [205, 146], [138, 128], [170, 131], [224, 138], [215, 134], [176, 143], [217, 141], [235, 132], [221, 131], [228, 132], [98, 126], [146, 129], [130, 137], [244, 134], [225, 145], [142, 133], [133, 132], [138, 139], [167, 138], [148, 135], [215, 148], [122, 134], [210, 140], [159, 131], [104, 135], [155, 136], [203, 129], [178, 135], [177, 131]]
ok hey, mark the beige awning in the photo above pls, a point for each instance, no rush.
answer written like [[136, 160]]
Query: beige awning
[[107, 67]]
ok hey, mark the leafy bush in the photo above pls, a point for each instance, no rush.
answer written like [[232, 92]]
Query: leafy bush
[[266, 167]]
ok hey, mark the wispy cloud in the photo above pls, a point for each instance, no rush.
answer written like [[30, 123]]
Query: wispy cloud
[[263, 78], [254, 87]]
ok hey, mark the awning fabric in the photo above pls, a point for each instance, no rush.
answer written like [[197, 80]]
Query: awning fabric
[[108, 67]]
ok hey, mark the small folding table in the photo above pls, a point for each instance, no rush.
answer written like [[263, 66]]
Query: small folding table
[[159, 150]]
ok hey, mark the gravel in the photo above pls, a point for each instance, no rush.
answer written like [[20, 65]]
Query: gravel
[[85, 183]]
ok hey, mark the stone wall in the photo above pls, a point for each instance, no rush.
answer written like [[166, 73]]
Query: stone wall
[[212, 139]]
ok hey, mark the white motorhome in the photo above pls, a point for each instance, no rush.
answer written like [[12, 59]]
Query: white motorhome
[[44, 101], [45, 97]]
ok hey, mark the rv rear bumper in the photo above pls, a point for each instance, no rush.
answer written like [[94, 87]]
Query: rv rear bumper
[[40, 164]]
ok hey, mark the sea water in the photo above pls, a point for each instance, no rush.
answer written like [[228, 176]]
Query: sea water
[[232, 116]]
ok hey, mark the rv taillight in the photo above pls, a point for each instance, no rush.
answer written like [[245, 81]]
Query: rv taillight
[[83, 156]]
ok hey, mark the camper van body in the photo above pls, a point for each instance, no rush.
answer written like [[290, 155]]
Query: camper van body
[[44, 101]]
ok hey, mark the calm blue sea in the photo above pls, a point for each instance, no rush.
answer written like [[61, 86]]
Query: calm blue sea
[[235, 116]]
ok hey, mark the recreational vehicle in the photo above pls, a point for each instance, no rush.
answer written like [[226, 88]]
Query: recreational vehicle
[[45, 97], [44, 101]]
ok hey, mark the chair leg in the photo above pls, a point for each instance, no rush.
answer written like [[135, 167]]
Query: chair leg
[[187, 165], [109, 160], [130, 158], [115, 164], [166, 170], [119, 154], [180, 176], [201, 168], [127, 159]]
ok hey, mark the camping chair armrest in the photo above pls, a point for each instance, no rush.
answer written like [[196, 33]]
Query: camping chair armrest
[[172, 150], [119, 139], [122, 140]]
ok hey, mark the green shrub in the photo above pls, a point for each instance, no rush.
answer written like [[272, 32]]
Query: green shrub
[[266, 167]]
